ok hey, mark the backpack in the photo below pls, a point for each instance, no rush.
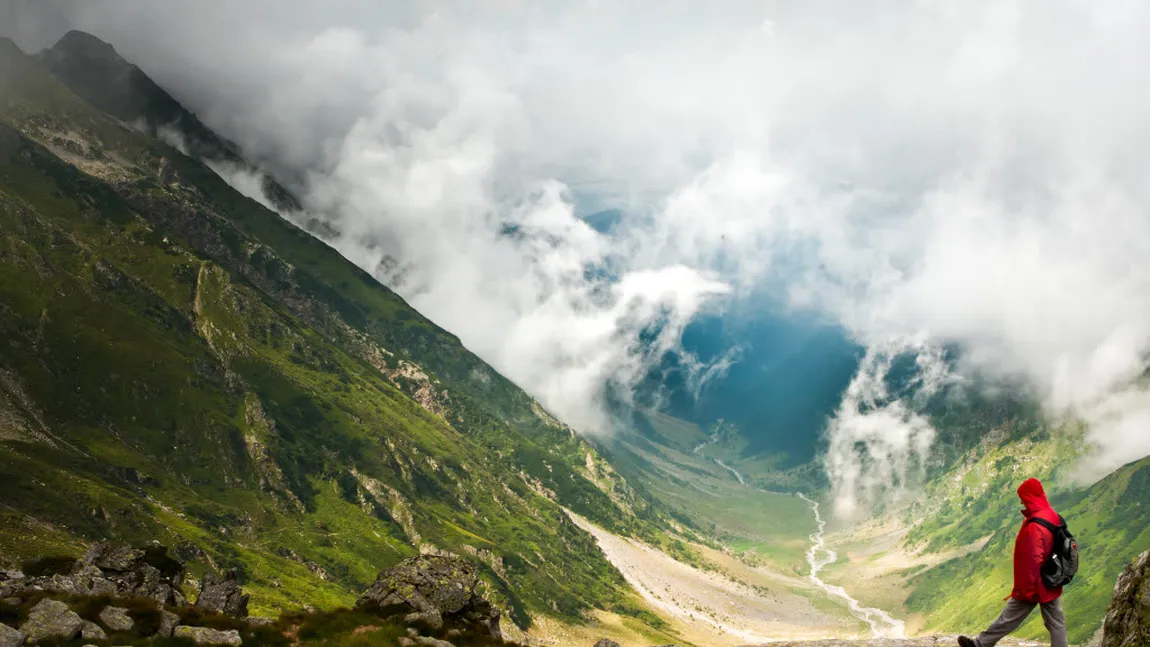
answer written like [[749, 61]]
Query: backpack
[[1060, 568]]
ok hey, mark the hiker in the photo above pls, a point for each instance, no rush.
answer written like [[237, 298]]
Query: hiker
[[1032, 548]]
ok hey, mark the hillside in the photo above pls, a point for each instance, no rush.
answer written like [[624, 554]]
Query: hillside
[[946, 559], [178, 362]]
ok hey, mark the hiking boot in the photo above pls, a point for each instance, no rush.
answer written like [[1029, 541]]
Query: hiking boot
[[963, 641]]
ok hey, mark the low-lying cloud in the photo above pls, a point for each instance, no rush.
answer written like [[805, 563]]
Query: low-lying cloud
[[967, 173]]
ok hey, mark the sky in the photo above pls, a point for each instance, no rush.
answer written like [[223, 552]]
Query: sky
[[916, 173]]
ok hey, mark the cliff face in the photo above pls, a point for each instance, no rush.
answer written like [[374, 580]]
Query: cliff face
[[1128, 618]]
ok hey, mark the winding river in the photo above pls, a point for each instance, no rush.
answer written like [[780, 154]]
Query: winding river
[[881, 623]]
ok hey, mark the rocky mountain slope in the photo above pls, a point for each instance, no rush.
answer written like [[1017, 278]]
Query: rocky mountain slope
[[179, 363]]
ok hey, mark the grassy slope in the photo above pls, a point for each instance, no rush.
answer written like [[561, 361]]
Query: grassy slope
[[1111, 520], [178, 362]]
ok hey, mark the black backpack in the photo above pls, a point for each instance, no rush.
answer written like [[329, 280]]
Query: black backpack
[[1062, 565]]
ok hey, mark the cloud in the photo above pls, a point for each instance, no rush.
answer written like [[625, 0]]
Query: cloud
[[966, 173]]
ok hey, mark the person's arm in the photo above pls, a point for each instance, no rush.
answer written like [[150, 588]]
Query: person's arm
[[1038, 547]]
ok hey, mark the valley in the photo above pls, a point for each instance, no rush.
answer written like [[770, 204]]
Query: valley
[[182, 363]]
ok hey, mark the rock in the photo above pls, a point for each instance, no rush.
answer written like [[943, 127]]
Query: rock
[[432, 642], [433, 584], [454, 633], [424, 583], [429, 619], [606, 642], [11, 582], [92, 631], [223, 595], [257, 621], [116, 570], [168, 623], [1127, 621], [116, 619], [412, 632], [206, 636], [51, 620], [405, 642], [10, 637]]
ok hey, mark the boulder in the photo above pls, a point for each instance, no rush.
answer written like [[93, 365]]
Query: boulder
[[168, 623], [606, 642], [404, 641], [223, 595], [51, 620], [206, 636], [427, 586], [116, 619], [432, 642], [10, 637], [1127, 621], [92, 631]]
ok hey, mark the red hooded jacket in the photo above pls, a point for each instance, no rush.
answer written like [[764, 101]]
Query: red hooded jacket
[[1033, 545]]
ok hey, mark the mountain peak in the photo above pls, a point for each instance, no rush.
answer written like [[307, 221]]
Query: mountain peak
[[84, 44]]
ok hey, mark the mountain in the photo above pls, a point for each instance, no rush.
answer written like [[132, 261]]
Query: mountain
[[96, 73], [179, 363]]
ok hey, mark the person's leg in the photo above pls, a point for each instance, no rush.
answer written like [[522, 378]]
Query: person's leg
[[1010, 619], [1055, 623]]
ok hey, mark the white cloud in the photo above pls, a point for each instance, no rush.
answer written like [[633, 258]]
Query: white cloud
[[946, 172]]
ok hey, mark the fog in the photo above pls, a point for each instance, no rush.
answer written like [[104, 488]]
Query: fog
[[922, 173]]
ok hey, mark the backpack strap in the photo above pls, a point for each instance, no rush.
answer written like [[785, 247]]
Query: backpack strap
[[1046, 524]]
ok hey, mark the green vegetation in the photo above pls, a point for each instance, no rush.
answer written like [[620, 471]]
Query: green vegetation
[[179, 363], [976, 500]]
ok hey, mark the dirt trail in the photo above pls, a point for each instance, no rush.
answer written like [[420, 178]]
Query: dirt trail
[[711, 608]]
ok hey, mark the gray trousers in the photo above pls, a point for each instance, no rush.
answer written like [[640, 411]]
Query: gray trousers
[[1015, 614]]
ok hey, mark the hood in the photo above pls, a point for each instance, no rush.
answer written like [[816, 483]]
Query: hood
[[1033, 497]]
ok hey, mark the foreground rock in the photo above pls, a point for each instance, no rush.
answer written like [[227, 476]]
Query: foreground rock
[[10, 637], [51, 620], [116, 619], [1127, 621], [206, 636], [110, 569], [606, 642], [223, 595], [438, 590]]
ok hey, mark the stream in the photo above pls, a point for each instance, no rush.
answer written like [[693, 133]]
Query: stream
[[881, 623]]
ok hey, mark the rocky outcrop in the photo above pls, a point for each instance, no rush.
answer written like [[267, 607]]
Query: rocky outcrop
[[51, 620], [433, 590], [206, 636], [1127, 621], [10, 637], [112, 570], [223, 595], [606, 642]]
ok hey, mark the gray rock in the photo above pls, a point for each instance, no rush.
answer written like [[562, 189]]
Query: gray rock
[[168, 623], [257, 621], [116, 619], [10, 637], [606, 642], [206, 636], [1127, 621], [11, 582], [430, 619], [412, 632], [223, 595], [405, 642], [433, 584], [92, 631], [432, 642], [51, 620], [117, 569]]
